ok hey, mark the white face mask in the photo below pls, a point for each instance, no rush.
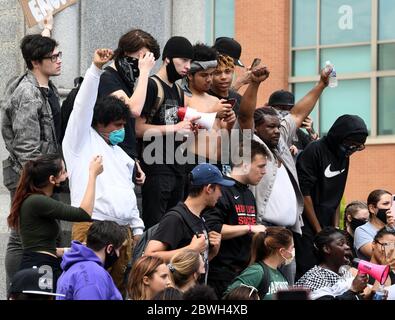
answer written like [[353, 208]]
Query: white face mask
[[289, 260]]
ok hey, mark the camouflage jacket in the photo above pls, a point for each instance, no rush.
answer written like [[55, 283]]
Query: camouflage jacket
[[27, 125]]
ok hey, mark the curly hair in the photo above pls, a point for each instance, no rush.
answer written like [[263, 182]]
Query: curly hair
[[225, 62]]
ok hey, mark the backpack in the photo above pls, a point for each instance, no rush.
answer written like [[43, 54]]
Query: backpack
[[139, 249], [67, 106], [160, 98], [147, 235], [263, 287]]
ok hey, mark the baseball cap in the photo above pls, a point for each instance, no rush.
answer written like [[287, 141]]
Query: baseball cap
[[229, 47], [282, 98], [206, 173], [32, 281]]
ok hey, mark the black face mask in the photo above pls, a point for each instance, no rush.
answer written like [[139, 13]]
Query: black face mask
[[128, 69], [172, 73], [62, 187], [382, 215], [111, 258], [347, 151], [355, 223]]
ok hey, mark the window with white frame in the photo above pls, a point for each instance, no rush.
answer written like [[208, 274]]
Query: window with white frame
[[220, 19], [358, 37]]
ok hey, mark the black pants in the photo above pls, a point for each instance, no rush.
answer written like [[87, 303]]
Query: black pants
[[304, 250], [48, 265], [160, 193]]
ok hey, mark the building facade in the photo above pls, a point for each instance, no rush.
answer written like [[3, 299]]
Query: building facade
[[296, 37], [293, 38]]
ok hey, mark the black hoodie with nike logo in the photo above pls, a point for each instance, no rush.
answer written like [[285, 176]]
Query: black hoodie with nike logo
[[323, 167]]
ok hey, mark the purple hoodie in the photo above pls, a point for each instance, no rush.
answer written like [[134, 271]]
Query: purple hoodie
[[84, 277]]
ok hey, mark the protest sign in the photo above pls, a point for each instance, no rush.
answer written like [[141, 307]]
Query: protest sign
[[36, 10]]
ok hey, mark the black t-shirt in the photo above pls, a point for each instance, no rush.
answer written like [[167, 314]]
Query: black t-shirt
[[232, 95], [110, 81], [237, 206], [165, 115], [177, 231], [55, 108]]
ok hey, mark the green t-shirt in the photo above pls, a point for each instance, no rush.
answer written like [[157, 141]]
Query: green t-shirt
[[253, 276], [38, 225]]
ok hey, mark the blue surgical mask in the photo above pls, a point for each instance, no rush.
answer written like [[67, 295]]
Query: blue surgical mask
[[116, 136]]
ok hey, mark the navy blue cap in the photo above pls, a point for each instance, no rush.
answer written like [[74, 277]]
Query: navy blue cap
[[206, 173]]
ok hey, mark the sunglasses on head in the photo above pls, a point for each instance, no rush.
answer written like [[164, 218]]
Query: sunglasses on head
[[253, 289]]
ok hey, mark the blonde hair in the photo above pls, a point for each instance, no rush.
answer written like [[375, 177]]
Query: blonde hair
[[225, 62], [144, 266], [352, 209], [183, 265]]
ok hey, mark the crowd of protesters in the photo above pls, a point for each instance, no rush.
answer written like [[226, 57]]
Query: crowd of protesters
[[235, 201]]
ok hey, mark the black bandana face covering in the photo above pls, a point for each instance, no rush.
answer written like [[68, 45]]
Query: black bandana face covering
[[128, 68], [172, 73]]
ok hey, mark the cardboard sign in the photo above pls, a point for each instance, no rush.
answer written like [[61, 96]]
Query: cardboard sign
[[36, 10]]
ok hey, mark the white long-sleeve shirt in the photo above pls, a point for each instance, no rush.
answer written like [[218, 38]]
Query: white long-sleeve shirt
[[115, 198]]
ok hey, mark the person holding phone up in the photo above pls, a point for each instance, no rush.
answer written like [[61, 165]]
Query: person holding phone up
[[380, 215]]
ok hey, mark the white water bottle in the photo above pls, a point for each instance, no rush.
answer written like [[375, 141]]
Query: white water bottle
[[332, 76]]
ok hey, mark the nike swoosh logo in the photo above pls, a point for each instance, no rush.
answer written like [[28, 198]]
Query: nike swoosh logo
[[237, 197], [330, 174]]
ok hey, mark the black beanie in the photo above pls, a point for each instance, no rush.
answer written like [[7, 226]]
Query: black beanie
[[178, 47]]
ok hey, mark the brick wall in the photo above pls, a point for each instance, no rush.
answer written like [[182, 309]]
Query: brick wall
[[262, 27], [373, 168]]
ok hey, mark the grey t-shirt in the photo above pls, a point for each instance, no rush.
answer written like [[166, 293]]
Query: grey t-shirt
[[364, 235]]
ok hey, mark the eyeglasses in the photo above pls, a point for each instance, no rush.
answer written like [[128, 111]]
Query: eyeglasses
[[358, 148], [387, 245], [354, 147], [253, 289], [388, 248], [55, 57]]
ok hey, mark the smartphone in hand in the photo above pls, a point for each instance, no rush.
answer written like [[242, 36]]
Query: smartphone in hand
[[255, 63], [231, 101]]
